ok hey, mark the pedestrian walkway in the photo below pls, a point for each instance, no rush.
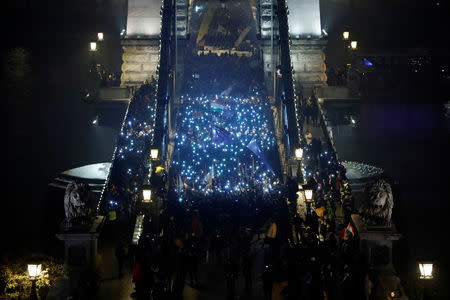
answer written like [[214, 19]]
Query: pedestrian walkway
[[111, 286], [213, 282]]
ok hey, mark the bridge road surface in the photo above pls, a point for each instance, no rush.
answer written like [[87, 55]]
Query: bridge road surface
[[212, 283]]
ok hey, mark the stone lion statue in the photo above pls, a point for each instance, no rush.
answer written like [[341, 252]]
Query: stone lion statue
[[77, 200], [377, 208]]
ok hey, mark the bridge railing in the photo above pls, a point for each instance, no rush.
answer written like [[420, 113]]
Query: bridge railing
[[156, 119]]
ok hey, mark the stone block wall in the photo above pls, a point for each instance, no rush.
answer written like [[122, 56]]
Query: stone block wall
[[308, 61], [140, 61]]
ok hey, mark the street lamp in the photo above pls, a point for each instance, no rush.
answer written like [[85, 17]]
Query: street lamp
[[93, 46], [154, 154], [100, 36], [426, 273], [309, 195], [426, 270], [346, 35], [354, 45], [298, 153], [34, 271], [146, 193]]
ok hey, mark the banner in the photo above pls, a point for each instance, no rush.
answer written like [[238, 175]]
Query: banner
[[220, 135], [253, 146], [216, 106]]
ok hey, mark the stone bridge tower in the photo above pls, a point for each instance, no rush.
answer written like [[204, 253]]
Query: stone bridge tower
[[142, 42], [307, 44]]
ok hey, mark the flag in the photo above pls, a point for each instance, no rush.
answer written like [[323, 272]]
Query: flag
[[350, 230], [220, 135], [217, 106], [320, 211], [159, 169], [253, 146]]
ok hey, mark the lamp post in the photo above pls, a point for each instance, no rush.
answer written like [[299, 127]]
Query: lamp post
[[298, 154], [93, 49], [298, 158], [154, 153], [34, 271], [426, 274], [346, 35], [92, 46], [146, 193], [308, 198]]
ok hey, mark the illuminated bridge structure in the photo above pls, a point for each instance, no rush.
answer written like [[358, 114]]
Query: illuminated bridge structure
[[292, 45], [292, 51]]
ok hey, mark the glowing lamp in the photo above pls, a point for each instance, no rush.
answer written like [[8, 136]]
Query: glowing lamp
[[100, 36], [308, 195], [354, 45], [298, 153], [426, 270], [93, 46], [34, 271], [146, 194], [346, 35], [154, 153]]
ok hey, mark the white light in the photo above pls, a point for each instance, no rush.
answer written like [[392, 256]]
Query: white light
[[354, 45], [298, 153], [34, 270], [93, 46], [426, 270], [147, 195], [346, 35], [100, 36], [308, 194], [154, 153]]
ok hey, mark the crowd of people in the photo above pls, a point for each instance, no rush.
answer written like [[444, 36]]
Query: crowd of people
[[229, 22], [222, 145], [336, 77], [109, 78], [130, 165], [225, 204], [211, 74], [254, 242]]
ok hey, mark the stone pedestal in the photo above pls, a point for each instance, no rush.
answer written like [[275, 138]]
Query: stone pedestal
[[308, 62], [80, 244], [375, 243], [140, 60]]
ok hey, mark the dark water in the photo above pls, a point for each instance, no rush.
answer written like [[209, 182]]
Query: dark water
[[44, 63], [410, 141]]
